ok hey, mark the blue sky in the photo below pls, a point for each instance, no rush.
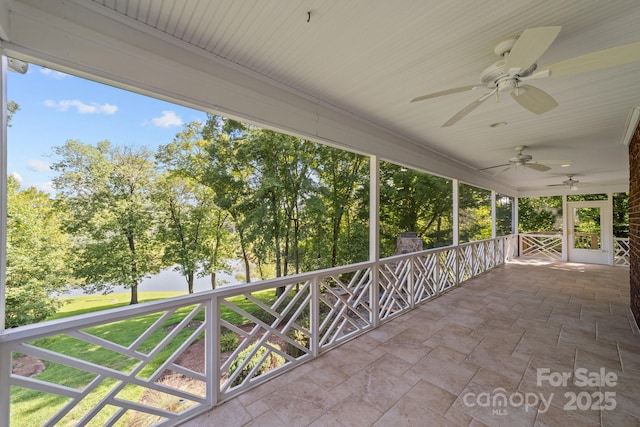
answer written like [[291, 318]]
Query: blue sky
[[56, 107]]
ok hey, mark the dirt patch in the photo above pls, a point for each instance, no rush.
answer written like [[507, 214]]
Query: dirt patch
[[27, 366], [193, 357]]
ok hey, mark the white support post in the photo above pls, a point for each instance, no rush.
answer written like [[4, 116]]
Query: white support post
[[456, 228], [456, 205], [5, 352], [374, 235], [611, 245], [493, 214], [314, 343], [515, 225], [3, 191], [566, 233], [212, 351]]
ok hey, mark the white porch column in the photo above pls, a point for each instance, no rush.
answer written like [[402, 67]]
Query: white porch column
[[514, 216], [456, 231], [374, 208], [374, 234], [5, 354], [493, 214], [3, 190], [566, 233]]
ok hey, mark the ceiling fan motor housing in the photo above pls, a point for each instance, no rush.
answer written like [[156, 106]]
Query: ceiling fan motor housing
[[495, 76]]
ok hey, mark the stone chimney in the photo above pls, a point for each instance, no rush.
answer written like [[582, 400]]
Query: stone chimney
[[408, 242]]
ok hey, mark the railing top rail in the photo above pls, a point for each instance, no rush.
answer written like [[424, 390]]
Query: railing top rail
[[558, 235]]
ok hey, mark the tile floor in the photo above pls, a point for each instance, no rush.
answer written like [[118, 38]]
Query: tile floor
[[486, 353]]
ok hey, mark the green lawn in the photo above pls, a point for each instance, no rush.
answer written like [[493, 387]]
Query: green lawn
[[33, 408]]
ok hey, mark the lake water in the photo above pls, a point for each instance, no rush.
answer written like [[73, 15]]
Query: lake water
[[170, 280]]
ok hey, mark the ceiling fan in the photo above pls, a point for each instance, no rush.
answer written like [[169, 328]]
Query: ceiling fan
[[571, 183], [518, 65], [526, 160]]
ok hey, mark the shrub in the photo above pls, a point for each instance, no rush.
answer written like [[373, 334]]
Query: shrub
[[301, 338], [228, 342], [271, 362]]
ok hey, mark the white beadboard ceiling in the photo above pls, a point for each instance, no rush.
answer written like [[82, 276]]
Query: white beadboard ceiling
[[371, 58]]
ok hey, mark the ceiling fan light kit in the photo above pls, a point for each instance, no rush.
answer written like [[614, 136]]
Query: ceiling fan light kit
[[518, 64]]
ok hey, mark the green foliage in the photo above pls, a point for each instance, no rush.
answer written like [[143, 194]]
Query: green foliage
[[228, 342], [504, 215], [621, 214], [540, 214], [12, 108], [272, 361], [412, 201], [474, 213], [36, 251], [106, 192]]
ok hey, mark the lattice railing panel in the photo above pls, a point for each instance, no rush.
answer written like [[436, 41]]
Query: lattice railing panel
[[465, 262], [499, 254], [447, 265], [393, 284], [621, 251], [490, 254], [127, 378], [478, 258], [274, 333], [541, 246], [425, 272], [344, 306]]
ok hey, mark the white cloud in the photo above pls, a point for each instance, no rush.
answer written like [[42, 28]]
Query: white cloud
[[37, 165], [47, 187], [54, 74], [17, 176], [81, 107], [167, 119]]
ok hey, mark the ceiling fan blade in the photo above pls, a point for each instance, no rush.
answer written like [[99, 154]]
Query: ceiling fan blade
[[500, 172], [529, 47], [556, 185], [533, 99], [596, 60], [445, 92], [537, 167], [493, 167], [555, 162], [469, 108]]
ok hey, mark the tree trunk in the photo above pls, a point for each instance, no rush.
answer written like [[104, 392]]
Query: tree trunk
[[213, 279], [190, 281], [245, 256], [134, 269], [134, 294]]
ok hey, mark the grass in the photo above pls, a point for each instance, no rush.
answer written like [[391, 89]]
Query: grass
[[32, 408]]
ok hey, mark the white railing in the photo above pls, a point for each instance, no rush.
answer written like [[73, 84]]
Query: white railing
[[546, 246], [180, 357], [621, 251]]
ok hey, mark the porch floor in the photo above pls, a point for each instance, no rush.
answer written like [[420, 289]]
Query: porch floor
[[444, 362]]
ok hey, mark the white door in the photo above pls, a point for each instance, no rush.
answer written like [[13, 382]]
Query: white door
[[589, 232]]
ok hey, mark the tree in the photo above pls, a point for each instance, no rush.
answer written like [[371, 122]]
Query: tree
[[540, 214], [415, 202], [36, 255], [474, 213], [341, 206], [106, 191], [12, 108], [228, 174]]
